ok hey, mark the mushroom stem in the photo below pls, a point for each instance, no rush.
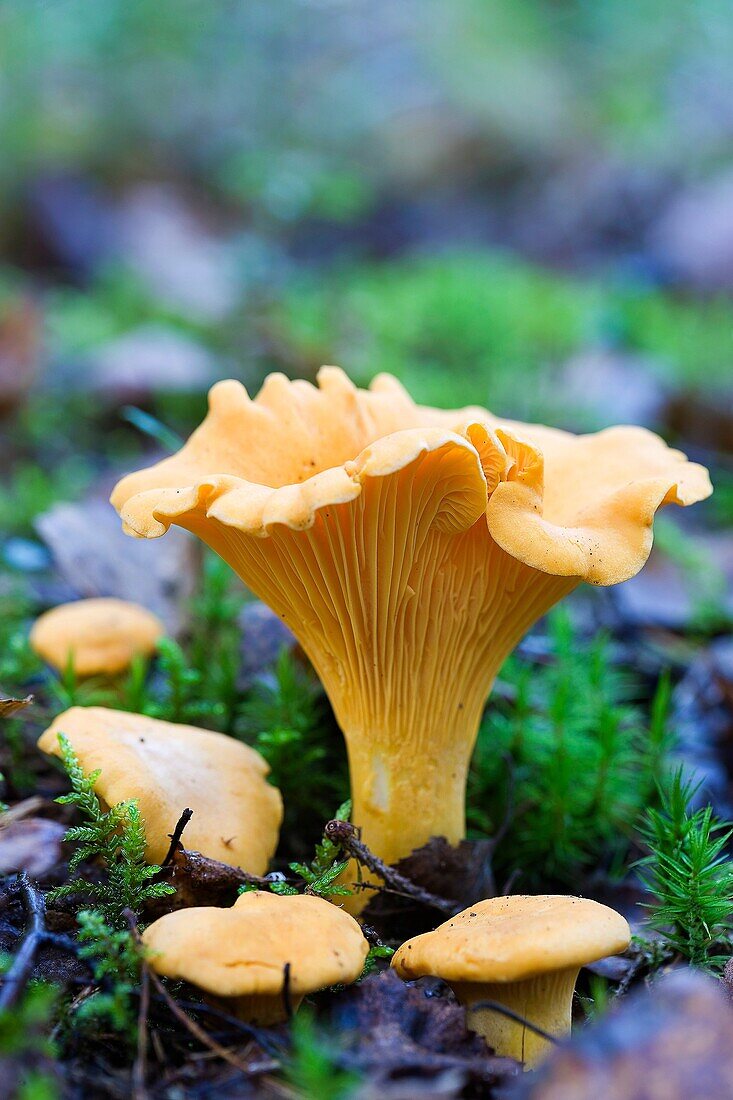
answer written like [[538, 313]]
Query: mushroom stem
[[399, 808], [545, 1000], [262, 1009]]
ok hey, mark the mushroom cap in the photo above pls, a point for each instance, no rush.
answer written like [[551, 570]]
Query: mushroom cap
[[168, 767], [572, 506], [243, 950], [508, 939], [100, 636]]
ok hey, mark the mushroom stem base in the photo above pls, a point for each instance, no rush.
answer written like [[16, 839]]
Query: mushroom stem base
[[403, 796], [545, 1000]]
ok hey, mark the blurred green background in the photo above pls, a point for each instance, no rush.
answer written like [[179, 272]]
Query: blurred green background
[[527, 206]]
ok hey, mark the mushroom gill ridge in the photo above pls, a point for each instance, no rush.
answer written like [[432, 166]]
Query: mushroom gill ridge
[[411, 570]]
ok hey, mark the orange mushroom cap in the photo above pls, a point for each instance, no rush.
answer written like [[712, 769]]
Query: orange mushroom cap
[[168, 768], [243, 951], [409, 549], [98, 636], [567, 505]]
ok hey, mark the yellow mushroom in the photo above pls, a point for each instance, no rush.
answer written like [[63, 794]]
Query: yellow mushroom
[[239, 955], [168, 768], [409, 549], [98, 636], [521, 952]]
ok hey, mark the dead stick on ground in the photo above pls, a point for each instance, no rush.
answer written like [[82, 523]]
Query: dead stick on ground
[[176, 835], [194, 1029], [36, 934], [345, 835], [139, 1070], [180, 1015]]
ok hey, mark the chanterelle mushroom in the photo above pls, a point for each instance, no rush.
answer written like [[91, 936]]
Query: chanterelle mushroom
[[240, 954], [168, 768], [522, 952], [98, 636], [409, 549]]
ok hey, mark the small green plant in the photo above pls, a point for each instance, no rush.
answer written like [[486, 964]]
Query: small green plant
[[115, 836], [690, 875], [194, 690], [67, 690], [598, 999], [376, 951], [312, 1070], [320, 876], [581, 759], [116, 960]]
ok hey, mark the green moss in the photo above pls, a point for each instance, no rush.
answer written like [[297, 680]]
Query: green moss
[[483, 328], [567, 761]]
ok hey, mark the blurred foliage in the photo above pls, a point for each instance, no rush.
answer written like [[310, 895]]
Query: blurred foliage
[[286, 718], [24, 1038], [31, 490], [303, 107], [314, 1069], [476, 327]]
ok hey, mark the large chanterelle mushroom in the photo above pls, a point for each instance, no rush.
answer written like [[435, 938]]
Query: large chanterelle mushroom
[[409, 549]]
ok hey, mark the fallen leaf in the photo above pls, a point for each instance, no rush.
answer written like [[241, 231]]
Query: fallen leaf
[[263, 635], [671, 1041], [462, 874], [613, 387], [197, 880], [96, 558], [693, 235], [675, 595], [10, 706], [150, 359], [32, 845], [170, 248], [395, 1031]]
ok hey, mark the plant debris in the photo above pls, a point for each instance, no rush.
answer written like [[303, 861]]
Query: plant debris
[[413, 1033]]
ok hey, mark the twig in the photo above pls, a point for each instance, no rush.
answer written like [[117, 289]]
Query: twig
[[262, 1037], [139, 1069], [287, 999], [35, 936], [496, 1006], [180, 1015], [176, 835], [193, 1027], [21, 809], [345, 835], [192, 872]]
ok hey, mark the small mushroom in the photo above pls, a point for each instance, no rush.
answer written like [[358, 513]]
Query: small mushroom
[[98, 637], [240, 954], [522, 952], [168, 768]]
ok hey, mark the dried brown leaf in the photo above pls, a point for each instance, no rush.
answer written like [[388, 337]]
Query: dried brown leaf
[[10, 706]]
